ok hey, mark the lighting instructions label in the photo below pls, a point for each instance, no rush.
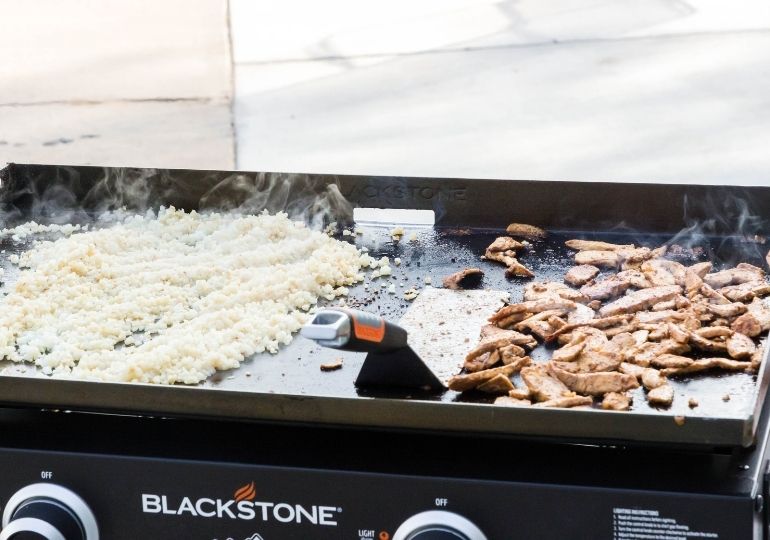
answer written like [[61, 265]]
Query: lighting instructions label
[[637, 524]]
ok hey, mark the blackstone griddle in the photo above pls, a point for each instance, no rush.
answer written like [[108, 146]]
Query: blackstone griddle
[[727, 222]]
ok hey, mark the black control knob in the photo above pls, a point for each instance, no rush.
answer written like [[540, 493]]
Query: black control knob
[[437, 525], [48, 512]]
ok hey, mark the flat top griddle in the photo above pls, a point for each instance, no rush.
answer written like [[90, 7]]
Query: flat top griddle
[[290, 387]]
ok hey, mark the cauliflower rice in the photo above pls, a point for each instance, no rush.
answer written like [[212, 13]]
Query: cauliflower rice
[[169, 297]]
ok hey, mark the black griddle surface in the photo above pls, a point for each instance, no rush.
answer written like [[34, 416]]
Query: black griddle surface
[[289, 386]]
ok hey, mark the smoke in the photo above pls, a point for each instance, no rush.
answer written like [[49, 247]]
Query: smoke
[[55, 194]]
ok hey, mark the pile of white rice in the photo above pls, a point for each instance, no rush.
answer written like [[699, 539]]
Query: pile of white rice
[[169, 297]]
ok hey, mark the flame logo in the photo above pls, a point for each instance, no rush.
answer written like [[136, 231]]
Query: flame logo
[[245, 493]]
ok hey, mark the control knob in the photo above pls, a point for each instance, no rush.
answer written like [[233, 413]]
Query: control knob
[[48, 512], [437, 525]]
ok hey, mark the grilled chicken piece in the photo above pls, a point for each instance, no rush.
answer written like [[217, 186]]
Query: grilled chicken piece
[[567, 402], [507, 401], [594, 245], [580, 275], [692, 283], [590, 363], [510, 353], [677, 333], [662, 396], [648, 317], [500, 384], [711, 332], [616, 401], [701, 269], [482, 361], [526, 231], [504, 243], [542, 386], [647, 352], [671, 361], [515, 268], [727, 311], [603, 259], [651, 378], [568, 353], [468, 277], [746, 291], [657, 274], [609, 287], [743, 273], [605, 322], [740, 346], [582, 314], [714, 296], [499, 340], [534, 306], [635, 278], [519, 393], [639, 300], [539, 289], [632, 258], [708, 363], [755, 321], [594, 384], [461, 383], [632, 369], [708, 345]]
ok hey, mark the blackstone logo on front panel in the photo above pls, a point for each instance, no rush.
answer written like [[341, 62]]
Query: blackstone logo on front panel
[[241, 506]]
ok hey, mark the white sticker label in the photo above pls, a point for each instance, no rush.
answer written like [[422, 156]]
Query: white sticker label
[[638, 524]]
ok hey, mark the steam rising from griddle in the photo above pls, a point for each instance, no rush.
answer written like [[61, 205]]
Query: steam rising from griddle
[[70, 198]]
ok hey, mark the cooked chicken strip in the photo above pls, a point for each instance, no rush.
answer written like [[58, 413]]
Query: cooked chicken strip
[[593, 245], [505, 243], [603, 259], [539, 289], [662, 395], [740, 347], [651, 378], [516, 269], [483, 361], [632, 369], [519, 393], [692, 283], [616, 401], [580, 275], [701, 269], [468, 277], [568, 353], [708, 345], [609, 287], [542, 385], [512, 402], [639, 300], [647, 352], [461, 383], [581, 315], [595, 384], [647, 317], [714, 296], [526, 231], [635, 277], [534, 306], [499, 384], [499, 340], [755, 321], [708, 363], [657, 274], [727, 311], [746, 291], [510, 353], [743, 273], [567, 402], [671, 361], [632, 258], [711, 332]]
